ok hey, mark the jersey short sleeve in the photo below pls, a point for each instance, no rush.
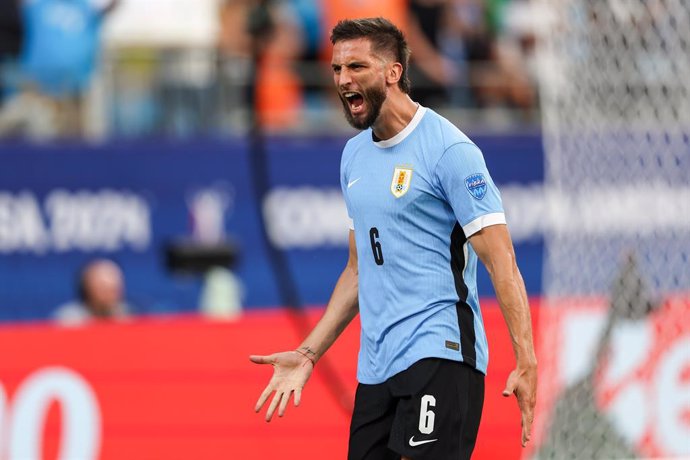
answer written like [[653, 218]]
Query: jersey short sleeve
[[465, 181]]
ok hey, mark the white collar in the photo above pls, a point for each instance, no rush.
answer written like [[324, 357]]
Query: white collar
[[398, 138]]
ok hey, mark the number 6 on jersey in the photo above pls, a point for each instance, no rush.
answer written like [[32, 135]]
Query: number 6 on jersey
[[375, 245]]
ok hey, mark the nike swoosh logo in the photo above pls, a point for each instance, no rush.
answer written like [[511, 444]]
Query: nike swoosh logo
[[352, 182], [414, 443]]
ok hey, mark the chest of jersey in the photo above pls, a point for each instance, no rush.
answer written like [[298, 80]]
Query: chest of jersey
[[390, 185]]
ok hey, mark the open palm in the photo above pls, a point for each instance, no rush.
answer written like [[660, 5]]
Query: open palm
[[291, 370]]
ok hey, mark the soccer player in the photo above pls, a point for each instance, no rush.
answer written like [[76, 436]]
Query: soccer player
[[423, 209]]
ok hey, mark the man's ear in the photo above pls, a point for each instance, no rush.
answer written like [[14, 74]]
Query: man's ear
[[394, 73]]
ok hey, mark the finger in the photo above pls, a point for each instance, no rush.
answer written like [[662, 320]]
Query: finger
[[527, 419], [262, 399], [526, 430], [298, 396], [526, 436], [510, 387], [283, 404], [261, 359], [274, 404]]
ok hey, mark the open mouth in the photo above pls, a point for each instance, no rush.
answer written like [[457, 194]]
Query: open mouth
[[354, 100]]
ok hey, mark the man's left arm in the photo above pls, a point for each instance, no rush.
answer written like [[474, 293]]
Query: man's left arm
[[494, 247]]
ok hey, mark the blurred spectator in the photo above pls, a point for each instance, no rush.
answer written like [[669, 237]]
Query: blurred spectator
[[523, 23], [11, 35], [497, 78], [279, 96], [100, 295], [435, 69], [278, 86], [57, 62], [308, 14], [186, 78], [234, 55]]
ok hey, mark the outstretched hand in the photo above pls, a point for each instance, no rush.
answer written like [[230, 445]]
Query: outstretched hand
[[291, 370], [522, 382]]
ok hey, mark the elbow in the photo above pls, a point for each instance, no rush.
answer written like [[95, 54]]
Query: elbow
[[352, 270]]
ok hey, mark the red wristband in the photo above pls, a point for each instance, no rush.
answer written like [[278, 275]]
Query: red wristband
[[313, 363]]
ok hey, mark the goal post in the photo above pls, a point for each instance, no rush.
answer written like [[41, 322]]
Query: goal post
[[614, 84]]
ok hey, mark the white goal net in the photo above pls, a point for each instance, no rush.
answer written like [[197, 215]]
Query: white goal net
[[614, 326]]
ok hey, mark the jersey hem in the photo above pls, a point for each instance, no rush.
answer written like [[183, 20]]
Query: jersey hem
[[404, 365]]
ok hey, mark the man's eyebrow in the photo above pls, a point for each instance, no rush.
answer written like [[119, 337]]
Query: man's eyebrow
[[348, 64]]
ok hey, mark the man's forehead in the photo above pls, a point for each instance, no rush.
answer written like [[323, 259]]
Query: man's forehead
[[357, 48]]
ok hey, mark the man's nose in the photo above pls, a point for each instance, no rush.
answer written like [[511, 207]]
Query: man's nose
[[344, 78]]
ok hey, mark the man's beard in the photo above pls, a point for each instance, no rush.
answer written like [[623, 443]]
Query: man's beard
[[374, 97]]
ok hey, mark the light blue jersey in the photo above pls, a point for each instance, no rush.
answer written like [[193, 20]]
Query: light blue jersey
[[414, 201]]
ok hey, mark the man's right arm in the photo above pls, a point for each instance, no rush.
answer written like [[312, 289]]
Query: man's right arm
[[292, 369], [341, 310]]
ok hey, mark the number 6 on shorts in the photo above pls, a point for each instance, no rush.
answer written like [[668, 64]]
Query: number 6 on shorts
[[427, 416]]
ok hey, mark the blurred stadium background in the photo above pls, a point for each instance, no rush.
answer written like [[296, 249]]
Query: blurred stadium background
[[196, 143]]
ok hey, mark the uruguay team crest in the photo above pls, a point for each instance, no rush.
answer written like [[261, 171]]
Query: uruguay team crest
[[401, 181], [476, 185]]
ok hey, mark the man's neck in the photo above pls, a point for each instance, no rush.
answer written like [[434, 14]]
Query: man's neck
[[396, 113]]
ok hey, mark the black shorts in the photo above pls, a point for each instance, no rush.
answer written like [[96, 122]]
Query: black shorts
[[429, 411]]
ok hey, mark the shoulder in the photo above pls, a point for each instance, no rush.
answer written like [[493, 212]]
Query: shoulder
[[444, 139], [444, 130], [356, 144], [360, 140]]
